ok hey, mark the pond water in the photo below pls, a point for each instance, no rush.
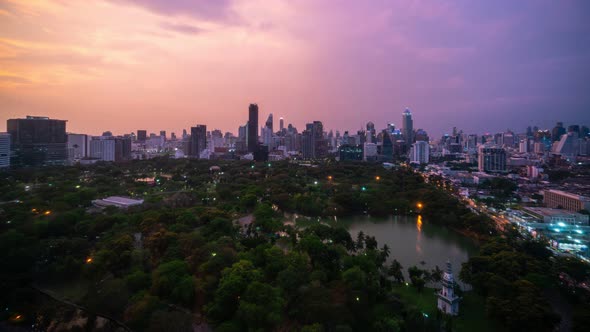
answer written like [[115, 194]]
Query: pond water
[[414, 241]]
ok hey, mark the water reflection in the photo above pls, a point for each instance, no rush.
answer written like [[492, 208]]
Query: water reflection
[[413, 240]]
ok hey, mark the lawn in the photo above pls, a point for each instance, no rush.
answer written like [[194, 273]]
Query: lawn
[[471, 317]]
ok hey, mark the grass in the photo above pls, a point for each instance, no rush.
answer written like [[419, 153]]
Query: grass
[[472, 316]]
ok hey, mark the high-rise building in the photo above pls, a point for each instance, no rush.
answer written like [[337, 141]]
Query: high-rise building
[[491, 159], [163, 134], [371, 134], [217, 138], [307, 146], [198, 141], [4, 150], [320, 144], [37, 141], [523, 146], [408, 127], [350, 152], [102, 148], [110, 148], [281, 124], [269, 123], [77, 147], [386, 146], [557, 132], [253, 128], [142, 135], [420, 152]]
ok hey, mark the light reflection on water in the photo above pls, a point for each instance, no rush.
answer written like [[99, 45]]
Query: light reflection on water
[[415, 241]]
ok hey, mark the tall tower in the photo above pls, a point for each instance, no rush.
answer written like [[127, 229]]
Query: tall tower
[[253, 128], [198, 141], [408, 127], [448, 302], [269, 122], [281, 124]]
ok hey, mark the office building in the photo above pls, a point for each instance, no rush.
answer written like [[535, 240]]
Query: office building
[[408, 127], [350, 152], [491, 159], [37, 141], [110, 148], [77, 147], [198, 141], [253, 128], [102, 148], [142, 135], [4, 150], [563, 200], [420, 152]]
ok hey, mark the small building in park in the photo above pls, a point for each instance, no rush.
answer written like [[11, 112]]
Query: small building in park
[[448, 302]]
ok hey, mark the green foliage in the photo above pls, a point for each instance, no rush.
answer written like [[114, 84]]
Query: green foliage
[[261, 306], [173, 281]]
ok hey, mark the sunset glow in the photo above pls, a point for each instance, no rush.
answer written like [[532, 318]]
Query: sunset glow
[[166, 65]]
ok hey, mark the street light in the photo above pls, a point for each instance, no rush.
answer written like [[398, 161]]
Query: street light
[[419, 205]]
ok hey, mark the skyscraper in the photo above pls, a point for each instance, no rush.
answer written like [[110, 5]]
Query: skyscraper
[[491, 159], [142, 135], [557, 132], [269, 123], [281, 124], [253, 128], [198, 141], [77, 146], [408, 127], [37, 141], [420, 152], [4, 150]]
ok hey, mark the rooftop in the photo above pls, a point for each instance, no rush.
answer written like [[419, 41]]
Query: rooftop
[[548, 212]]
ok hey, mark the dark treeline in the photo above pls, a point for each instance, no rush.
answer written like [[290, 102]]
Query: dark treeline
[[180, 258]]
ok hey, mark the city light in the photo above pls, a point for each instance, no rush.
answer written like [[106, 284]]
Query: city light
[[364, 188], [377, 178], [47, 212], [213, 254], [419, 205], [330, 177], [88, 260], [560, 224]]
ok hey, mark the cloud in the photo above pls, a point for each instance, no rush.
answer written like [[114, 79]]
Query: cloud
[[181, 28], [212, 10], [13, 80]]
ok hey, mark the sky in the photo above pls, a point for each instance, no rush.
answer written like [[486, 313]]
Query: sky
[[123, 65]]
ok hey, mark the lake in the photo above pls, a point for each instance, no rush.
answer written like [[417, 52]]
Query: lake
[[413, 240]]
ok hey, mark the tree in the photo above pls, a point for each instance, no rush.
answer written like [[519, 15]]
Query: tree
[[395, 271], [261, 306], [173, 281], [232, 285]]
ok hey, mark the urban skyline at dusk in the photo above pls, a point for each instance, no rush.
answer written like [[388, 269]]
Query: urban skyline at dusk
[[482, 67]]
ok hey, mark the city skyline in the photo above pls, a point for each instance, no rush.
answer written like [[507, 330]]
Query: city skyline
[[476, 66]]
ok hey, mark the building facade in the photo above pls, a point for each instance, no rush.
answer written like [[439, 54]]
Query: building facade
[[420, 152], [4, 150], [252, 128], [564, 200], [408, 127], [491, 159], [198, 141], [38, 141]]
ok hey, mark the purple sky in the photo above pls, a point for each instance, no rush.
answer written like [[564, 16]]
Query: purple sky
[[121, 65]]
